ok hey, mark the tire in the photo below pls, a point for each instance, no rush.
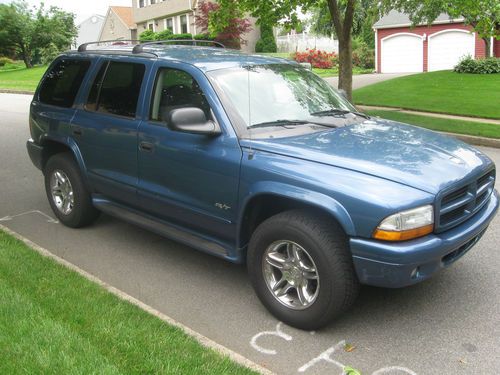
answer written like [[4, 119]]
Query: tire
[[79, 212], [323, 247]]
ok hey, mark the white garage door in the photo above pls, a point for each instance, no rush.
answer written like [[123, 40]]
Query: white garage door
[[402, 53], [446, 48]]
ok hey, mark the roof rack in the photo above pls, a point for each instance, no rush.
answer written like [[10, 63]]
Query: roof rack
[[140, 47], [116, 42]]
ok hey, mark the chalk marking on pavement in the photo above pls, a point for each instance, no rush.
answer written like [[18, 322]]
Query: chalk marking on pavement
[[391, 369], [49, 218], [203, 340], [277, 333], [325, 356]]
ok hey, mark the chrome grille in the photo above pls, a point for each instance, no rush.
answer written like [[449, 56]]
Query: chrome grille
[[458, 204]]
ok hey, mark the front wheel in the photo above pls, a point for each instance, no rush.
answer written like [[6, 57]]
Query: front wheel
[[301, 268]]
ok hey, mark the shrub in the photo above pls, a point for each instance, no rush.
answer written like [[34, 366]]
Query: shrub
[[49, 54], [5, 60], [267, 42], [317, 58], [467, 64], [147, 36], [163, 35], [363, 56]]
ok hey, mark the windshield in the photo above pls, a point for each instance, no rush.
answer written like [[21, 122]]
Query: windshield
[[268, 94]]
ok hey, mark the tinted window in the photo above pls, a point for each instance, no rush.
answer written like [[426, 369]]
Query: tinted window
[[176, 89], [62, 82], [116, 89]]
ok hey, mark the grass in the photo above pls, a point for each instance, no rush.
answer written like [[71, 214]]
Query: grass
[[21, 79], [476, 95], [440, 124], [12, 66], [54, 321]]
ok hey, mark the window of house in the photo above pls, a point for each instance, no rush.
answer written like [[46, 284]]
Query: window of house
[[61, 84], [169, 24], [184, 24], [116, 89], [176, 89], [141, 3], [151, 27], [153, 2]]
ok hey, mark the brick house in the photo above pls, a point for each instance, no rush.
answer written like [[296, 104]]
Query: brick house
[[399, 47]]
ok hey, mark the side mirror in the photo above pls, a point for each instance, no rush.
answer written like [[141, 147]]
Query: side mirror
[[192, 120]]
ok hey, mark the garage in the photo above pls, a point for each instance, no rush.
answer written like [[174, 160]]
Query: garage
[[402, 53], [447, 47], [402, 47]]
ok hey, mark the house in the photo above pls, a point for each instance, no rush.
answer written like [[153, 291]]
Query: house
[[89, 29], [118, 24], [179, 17], [399, 47]]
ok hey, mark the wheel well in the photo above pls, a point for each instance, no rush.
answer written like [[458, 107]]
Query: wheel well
[[51, 148], [263, 207]]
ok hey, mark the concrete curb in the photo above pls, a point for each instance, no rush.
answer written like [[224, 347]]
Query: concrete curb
[[477, 141], [203, 340], [21, 92], [430, 114]]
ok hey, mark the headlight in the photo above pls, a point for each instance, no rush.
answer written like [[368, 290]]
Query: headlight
[[406, 225]]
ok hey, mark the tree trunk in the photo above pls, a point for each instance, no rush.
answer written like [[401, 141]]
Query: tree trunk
[[345, 66], [487, 46], [26, 55]]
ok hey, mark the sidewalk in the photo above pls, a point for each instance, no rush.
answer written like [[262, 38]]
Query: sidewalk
[[430, 114]]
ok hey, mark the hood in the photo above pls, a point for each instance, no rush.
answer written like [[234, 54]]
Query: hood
[[406, 154]]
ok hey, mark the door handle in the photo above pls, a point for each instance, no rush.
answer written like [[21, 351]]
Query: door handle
[[77, 131], [146, 146]]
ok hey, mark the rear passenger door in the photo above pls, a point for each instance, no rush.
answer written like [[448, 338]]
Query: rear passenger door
[[105, 127]]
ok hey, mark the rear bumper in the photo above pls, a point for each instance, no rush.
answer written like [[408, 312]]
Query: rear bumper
[[35, 152], [395, 265]]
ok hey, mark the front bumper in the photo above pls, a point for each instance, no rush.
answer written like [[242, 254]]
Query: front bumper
[[35, 152], [395, 265]]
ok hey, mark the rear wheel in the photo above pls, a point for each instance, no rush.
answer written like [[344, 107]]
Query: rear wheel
[[68, 197], [301, 268]]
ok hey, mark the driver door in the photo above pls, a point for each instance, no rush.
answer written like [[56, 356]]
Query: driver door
[[188, 179]]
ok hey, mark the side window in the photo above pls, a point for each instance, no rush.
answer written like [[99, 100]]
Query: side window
[[176, 89], [61, 84], [116, 89]]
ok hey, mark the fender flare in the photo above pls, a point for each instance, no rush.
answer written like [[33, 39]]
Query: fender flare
[[309, 197]]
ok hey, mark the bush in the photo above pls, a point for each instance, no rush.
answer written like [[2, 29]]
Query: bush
[[5, 60], [467, 64], [163, 35], [363, 56], [318, 59], [147, 36], [267, 42], [49, 54]]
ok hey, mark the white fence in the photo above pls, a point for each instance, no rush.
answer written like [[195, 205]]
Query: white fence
[[300, 42]]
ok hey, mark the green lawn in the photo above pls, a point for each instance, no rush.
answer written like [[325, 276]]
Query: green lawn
[[21, 79], [54, 321], [476, 95], [440, 124]]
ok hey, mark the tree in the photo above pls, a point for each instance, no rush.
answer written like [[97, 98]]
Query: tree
[[30, 31], [482, 15], [224, 21], [341, 12]]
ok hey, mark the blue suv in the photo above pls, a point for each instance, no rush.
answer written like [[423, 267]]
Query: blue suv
[[257, 160]]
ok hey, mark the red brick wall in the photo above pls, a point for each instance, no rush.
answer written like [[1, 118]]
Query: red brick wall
[[428, 30], [496, 48]]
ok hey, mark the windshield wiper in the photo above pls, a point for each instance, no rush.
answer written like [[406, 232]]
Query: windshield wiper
[[338, 111], [288, 122]]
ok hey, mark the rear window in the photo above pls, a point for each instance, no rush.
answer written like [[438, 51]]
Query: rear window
[[61, 84], [116, 89]]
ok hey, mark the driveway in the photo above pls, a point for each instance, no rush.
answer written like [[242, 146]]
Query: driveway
[[361, 80], [446, 325]]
